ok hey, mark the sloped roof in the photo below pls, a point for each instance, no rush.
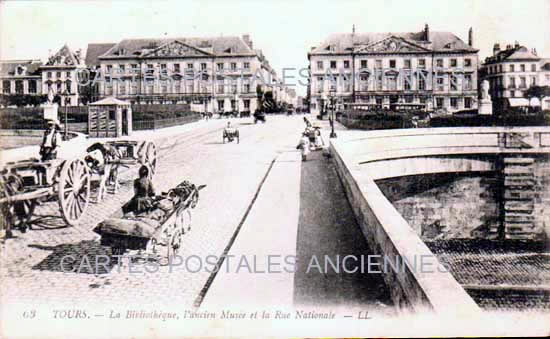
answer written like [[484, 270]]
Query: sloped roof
[[345, 42], [9, 67], [111, 101], [514, 53], [219, 46], [94, 51], [64, 57]]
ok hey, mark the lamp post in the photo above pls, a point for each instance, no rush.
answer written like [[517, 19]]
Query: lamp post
[[333, 111]]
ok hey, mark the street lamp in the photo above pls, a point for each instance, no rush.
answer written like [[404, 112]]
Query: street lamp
[[333, 111]]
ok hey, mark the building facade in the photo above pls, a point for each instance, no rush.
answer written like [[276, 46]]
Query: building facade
[[60, 73], [511, 72], [216, 74], [421, 70], [20, 77]]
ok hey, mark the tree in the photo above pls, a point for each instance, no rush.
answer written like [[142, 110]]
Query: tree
[[539, 92]]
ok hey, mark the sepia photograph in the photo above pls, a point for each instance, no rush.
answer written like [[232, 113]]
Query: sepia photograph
[[274, 169]]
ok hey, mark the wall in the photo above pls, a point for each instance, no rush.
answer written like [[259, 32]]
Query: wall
[[388, 234]]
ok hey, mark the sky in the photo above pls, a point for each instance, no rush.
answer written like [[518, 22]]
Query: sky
[[284, 29]]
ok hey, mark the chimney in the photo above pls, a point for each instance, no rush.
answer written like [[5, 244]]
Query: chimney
[[471, 37], [508, 47], [312, 48], [246, 39], [535, 51], [516, 44], [426, 32], [496, 49]]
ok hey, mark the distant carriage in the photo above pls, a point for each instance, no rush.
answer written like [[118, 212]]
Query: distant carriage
[[229, 134]]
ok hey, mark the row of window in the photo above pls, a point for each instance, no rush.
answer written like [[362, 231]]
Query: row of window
[[58, 74], [511, 68], [175, 67], [221, 105], [178, 87], [454, 102], [392, 83], [19, 87], [407, 63]]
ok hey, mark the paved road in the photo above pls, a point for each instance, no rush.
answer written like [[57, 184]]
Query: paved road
[[31, 270]]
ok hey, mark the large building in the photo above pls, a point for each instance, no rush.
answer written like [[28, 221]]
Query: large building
[[510, 72], [20, 77], [214, 74], [421, 70], [60, 73]]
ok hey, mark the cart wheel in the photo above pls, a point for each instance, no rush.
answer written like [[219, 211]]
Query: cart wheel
[[30, 205], [149, 156], [73, 190]]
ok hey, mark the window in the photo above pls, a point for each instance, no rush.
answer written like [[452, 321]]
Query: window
[[333, 64], [512, 94], [176, 68], [533, 81], [453, 63], [440, 82], [177, 86], [189, 65], [454, 82], [164, 86], [364, 81], [319, 65], [407, 82], [233, 105], [467, 82], [190, 88], [421, 82], [122, 69], [163, 69], [233, 66], [407, 64], [439, 102], [122, 88], [378, 100], [392, 83], [467, 102], [409, 99], [454, 102], [246, 88], [49, 75], [220, 66], [234, 88], [522, 82], [58, 74], [346, 63], [32, 86], [203, 66], [533, 67], [421, 63], [246, 104], [19, 86], [378, 63], [422, 100], [320, 81], [439, 63], [6, 86], [221, 105], [522, 67], [363, 63], [467, 62], [392, 63], [68, 85], [512, 68], [246, 65], [68, 74], [109, 70], [500, 68], [512, 82], [221, 87], [134, 68]]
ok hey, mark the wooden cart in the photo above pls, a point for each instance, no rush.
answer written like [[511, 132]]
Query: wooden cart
[[158, 234], [23, 183]]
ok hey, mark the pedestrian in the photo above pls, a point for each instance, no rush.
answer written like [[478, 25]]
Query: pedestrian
[[144, 193], [304, 145], [308, 124], [50, 142]]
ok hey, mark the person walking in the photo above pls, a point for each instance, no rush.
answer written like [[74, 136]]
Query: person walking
[[304, 145], [50, 141]]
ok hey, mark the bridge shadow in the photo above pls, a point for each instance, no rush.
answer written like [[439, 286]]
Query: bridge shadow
[[327, 228]]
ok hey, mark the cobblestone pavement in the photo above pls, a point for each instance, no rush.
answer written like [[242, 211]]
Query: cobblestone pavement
[[31, 270]]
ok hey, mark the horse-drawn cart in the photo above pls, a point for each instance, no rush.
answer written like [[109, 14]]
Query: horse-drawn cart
[[230, 134], [24, 183], [157, 230], [105, 158]]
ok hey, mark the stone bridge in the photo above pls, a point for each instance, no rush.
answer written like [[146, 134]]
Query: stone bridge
[[517, 158]]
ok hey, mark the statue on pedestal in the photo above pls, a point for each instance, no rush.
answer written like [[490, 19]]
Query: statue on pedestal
[[485, 104]]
